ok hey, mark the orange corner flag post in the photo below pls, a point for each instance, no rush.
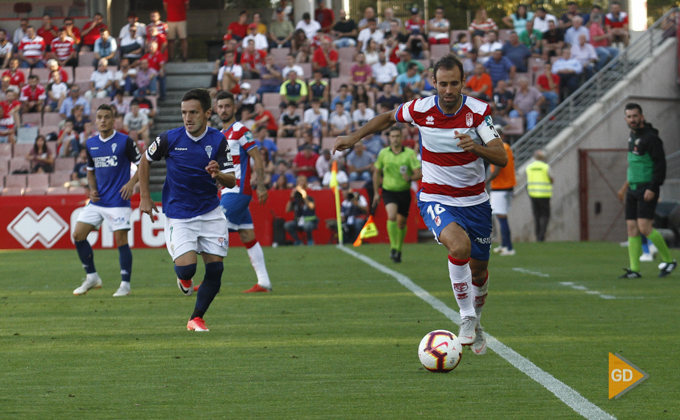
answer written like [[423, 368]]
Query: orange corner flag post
[[334, 185], [623, 376], [368, 231]]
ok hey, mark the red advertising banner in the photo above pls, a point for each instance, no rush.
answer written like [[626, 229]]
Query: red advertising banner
[[47, 222]]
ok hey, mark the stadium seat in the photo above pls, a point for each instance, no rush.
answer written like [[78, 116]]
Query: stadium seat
[[307, 68], [96, 102], [336, 82], [77, 191], [6, 149], [43, 75], [520, 76], [271, 99], [454, 36], [254, 84], [59, 178], [53, 11], [357, 185], [57, 191], [504, 35], [83, 72], [439, 51], [327, 143], [37, 184], [64, 164], [346, 66], [346, 54], [4, 166], [85, 60], [22, 149], [51, 118], [47, 129], [15, 183], [18, 164], [32, 118], [279, 54], [515, 127], [287, 146], [425, 63]]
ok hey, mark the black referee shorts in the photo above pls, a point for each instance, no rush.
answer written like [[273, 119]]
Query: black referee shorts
[[402, 200], [637, 207]]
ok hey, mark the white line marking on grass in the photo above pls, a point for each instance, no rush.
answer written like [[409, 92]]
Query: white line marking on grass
[[533, 273], [589, 292], [568, 395]]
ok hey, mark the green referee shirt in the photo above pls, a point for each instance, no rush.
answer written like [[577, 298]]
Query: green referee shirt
[[393, 165]]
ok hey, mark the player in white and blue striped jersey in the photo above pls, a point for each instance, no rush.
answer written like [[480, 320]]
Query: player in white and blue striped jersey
[[197, 158], [109, 156]]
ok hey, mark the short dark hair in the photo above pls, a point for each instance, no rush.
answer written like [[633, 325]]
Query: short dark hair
[[224, 95], [48, 15], [33, 77], [633, 105], [107, 107], [98, 14], [371, 20], [571, 3], [411, 66], [305, 16], [448, 62], [292, 103], [541, 9], [200, 95], [615, 3], [134, 102], [461, 35], [394, 128], [243, 12]]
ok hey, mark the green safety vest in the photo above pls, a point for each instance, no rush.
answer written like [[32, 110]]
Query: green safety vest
[[538, 180]]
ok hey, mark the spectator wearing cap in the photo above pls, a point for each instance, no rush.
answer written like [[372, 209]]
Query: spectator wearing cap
[[324, 16], [280, 30], [370, 32], [132, 20], [92, 31], [238, 29], [270, 77], [517, 52], [325, 59], [292, 90], [260, 40], [246, 100], [500, 67], [309, 27], [439, 28], [105, 47], [345, 31]]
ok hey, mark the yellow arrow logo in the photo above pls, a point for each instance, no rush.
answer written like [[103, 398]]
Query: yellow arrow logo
[[623, 376]]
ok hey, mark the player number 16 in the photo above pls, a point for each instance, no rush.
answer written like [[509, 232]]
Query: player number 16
[[438, 209]]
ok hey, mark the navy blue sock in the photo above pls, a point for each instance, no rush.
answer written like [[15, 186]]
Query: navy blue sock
[[208, 290], [185, 272], [125, 259], [505, 232], [645, 245], [86, 256]]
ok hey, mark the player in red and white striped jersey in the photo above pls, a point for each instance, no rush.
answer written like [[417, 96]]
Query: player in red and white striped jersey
[[235, 201], [457, 136]]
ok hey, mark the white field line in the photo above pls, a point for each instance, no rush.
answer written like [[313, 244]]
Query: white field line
[[533, 273], [566, 394], [585, 289]]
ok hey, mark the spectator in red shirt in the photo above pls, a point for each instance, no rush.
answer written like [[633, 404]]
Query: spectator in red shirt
[[549, 85], [325, 59], [324, 16], [63, 48], [238, 29], [251, 60], [158, 38], [32, 50], [16, 76], [157, 62], [53, 65], [304, 164], [361, 73], [616, 22], [48, 32], [32, 96], [72, 32], [264, 118], [176, 11], [156, 21], [91, 31]]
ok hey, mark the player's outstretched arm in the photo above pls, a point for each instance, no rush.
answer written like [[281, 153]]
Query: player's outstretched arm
[[146, 205], [376, 124]]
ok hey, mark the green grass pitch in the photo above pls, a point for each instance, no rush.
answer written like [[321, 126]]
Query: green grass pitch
[[336, 340]]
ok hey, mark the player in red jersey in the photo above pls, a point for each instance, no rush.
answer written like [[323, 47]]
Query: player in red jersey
[[457, 136]]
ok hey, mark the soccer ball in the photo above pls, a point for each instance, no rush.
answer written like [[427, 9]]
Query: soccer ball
[[440, 351]]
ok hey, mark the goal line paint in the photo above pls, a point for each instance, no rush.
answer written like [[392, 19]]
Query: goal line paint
[[565, 393]]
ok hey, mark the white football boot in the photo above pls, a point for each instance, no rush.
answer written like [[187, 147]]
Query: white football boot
[[479, 345], [123, 290], [466, 334], [91, 282]]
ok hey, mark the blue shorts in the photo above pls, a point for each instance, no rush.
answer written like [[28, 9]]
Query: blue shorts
[[475, 220], [235, 208]]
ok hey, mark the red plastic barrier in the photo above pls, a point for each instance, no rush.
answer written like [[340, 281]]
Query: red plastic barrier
[[41, 222]]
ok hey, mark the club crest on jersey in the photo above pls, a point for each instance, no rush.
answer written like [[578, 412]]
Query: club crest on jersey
[[113, 147], [208, 150], [429, 120], [468, 119], [438, 221], [154, 146]]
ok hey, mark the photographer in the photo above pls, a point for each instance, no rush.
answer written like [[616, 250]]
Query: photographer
[[303, 208], [352, 210]]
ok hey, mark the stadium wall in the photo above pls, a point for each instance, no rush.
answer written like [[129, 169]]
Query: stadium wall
[[654, 85], [46, 222]]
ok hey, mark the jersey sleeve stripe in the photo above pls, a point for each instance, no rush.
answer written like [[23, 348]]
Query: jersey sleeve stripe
[[453, 191], [248, 146], [448, 159], [397, 114]]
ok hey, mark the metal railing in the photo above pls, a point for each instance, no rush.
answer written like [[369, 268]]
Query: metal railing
[[589, 93]]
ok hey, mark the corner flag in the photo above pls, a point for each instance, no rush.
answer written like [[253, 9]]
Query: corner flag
[[334, 186], [368, 231]]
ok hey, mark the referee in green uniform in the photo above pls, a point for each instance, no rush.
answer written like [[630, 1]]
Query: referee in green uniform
[[395, 168], [646, 173]]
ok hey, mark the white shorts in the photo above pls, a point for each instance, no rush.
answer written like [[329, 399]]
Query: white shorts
[[501, 201], [118, 218], [205, 233], [177, 30]]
